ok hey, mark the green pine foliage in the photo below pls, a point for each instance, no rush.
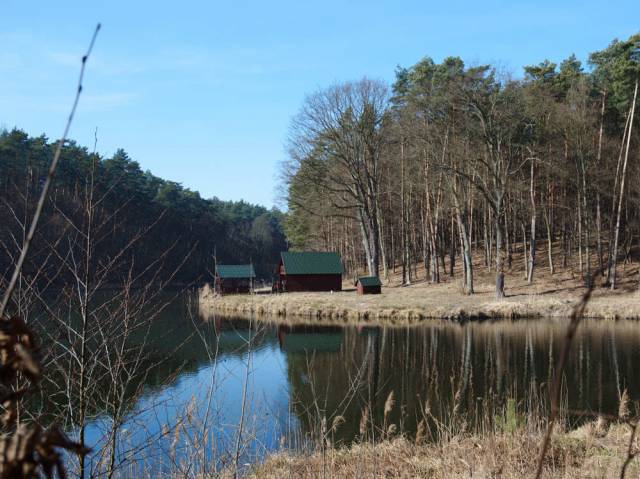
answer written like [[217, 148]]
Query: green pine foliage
[[176, 223], [475, 131]]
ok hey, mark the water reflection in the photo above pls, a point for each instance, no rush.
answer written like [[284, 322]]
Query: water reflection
[[298, 378], [309, 339], [443, 372]]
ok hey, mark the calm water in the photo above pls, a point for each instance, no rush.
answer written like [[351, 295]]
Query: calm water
[[295, 376]]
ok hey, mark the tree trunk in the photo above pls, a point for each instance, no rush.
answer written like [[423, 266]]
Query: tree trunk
[[507, 238], [499, 259], [452, 248], [549, 242], [403, 214], [622, 181], [587, 232], [461, 218], [598, 207], [525, 252], [374, 244], [365, 240], [381, 243], [532, 240], [579, 222]]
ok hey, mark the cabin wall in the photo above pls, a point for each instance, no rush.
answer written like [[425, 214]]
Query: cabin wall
[[311, 282], [233, 286], [368, 289]]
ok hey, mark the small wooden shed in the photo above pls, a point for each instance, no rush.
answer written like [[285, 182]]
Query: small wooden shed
[[310, 271], [369, 285], [234, 278]]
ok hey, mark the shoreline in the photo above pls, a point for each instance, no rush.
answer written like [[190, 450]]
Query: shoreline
[[590, 451], [420, 302]]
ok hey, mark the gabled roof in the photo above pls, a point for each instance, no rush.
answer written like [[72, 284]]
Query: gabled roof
[[309, 262], [369, 281], [235, 271]]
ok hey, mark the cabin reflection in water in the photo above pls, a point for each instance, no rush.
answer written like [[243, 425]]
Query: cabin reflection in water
[[468, 371], [239, 336], [310, 339], [466, 374]]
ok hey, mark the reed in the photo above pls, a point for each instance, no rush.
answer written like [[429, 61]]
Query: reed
[[506, 450]]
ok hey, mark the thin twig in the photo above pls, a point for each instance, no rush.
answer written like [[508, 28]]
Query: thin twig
[[576, 316], [47, 183], [631, 453]]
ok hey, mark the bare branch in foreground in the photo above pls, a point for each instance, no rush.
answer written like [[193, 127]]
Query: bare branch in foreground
[[47, 183], [576, 317]]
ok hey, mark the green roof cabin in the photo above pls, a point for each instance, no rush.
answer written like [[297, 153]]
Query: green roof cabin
[[310, 271], [234, 278], [369, 285]]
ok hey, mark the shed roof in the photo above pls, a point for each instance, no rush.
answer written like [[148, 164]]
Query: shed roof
[[369, 281], [233, 271], [311, 262]]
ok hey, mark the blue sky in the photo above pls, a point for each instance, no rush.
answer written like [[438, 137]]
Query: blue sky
[[202, 92]]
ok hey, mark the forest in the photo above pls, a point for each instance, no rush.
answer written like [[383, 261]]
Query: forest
[[152, 226], [456, 161], [450, 173], [103, 291]]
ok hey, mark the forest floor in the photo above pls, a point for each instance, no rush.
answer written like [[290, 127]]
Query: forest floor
[[550, 296], [584, 453]]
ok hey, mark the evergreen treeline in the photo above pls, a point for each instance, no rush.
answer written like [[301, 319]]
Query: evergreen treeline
[[455, 159], [135, 217]]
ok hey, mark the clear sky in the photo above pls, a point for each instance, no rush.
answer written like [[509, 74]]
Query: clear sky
[[202, 92]]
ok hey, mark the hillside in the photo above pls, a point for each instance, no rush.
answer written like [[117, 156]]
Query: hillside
[[145, 221]]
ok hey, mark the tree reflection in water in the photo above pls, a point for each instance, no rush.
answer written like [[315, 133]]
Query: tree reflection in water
[[455, 377], [311, 385]]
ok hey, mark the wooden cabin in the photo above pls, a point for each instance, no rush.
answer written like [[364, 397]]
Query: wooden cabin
[[310, 271], [369, 285], [234, 278]]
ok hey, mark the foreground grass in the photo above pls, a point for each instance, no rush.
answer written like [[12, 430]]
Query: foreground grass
[[551, 296], [584, 453]]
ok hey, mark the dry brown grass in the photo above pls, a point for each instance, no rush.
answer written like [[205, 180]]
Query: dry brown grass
[[550, 296], [578, 454]]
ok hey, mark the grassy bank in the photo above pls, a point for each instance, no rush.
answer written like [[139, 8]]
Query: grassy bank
[[551, 296], [587, 452]]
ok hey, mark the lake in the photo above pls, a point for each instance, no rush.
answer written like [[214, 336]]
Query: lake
[[221, 386]]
